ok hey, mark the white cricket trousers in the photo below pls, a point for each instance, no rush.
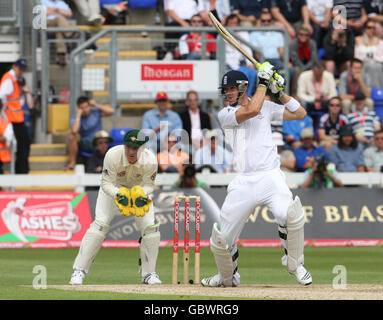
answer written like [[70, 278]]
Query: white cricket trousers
[[245, 193], [106, 210]]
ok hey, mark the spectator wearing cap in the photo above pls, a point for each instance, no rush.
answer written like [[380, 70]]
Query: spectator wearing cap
[[330, 124], [171, 158], [101, 142], [352, 82], [10, 94], [194, 121], [315, 88], [363, 122], [373, 155], [160, 121], [84, 127], [347, 155], [213, 155], [57, 12], [292, 131], [307, 153], [6, 137], [287, 157]]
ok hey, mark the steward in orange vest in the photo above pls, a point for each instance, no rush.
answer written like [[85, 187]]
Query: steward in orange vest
[[5, 155]]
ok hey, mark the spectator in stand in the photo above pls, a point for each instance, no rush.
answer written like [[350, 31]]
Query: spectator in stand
[[373, 156], [369, 49], [315, 88], [10, 95], [101, 142], [346, 155], [6, 138], [320, 12], [249, 11], [171, 158], [374, 9], [179, 14], [292, 131], [57, 13], [338, 45], [355, 13], [321, 175], [352, 82], [114, 11], [160, 121], [292, 15], [194, 120], [303, 54], [28, 104], [309, 151], [271, 43], [233, 56], [84, 127], [287, 157], [90, 10], [331, 123], [191, 44], [213, 154], [363, 122]]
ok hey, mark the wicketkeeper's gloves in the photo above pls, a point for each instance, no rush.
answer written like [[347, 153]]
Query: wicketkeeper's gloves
[[140, 201], [124, 202], [265, 72]]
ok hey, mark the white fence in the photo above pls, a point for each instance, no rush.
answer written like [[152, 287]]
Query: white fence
[[79, 180]]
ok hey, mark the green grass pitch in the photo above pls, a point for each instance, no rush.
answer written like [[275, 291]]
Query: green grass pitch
[[119, 266]]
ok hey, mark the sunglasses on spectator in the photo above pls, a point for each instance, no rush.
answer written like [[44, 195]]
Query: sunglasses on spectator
[[264, 21], [334, 104], [303, 34], [172, 141], [192, 100], [370, 27], [102, 142], [162, 100], [196, 21], [378, 138]]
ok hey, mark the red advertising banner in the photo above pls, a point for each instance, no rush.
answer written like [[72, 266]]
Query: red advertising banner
[[43, 219], [167, 72]]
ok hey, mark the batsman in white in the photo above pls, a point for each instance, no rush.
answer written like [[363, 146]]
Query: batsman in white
[[126, 166], [260, 181]]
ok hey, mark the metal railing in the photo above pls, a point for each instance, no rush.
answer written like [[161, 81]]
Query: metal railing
[[80, 180], [78, 57]]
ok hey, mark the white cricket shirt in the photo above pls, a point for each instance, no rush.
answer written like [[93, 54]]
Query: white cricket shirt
[[251, 141]]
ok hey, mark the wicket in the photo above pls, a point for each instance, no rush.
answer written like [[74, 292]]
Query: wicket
[[197, 245]]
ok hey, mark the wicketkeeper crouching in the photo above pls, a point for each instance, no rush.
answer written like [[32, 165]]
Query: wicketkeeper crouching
[[127, 182]]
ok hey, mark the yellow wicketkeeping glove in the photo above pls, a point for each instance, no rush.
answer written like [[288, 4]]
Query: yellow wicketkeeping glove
[[124, 201], [140, 201]]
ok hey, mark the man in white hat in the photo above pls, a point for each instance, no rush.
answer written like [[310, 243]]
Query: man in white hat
[[287, 157]]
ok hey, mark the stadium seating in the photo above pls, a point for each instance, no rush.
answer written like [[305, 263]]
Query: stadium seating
[[377, 97], [118, 135], [142, 3]]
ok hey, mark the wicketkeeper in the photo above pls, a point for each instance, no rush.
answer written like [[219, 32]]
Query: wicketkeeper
[[127, 182]]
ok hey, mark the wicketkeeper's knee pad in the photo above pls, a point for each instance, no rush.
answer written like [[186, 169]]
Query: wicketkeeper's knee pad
[[149, 244], [295, 235], [90, 245], [223, 256]]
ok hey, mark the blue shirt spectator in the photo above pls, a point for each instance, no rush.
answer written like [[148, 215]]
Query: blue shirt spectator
[[292, 130], [90, 124], [249, 10], [306, 154], [347, 155], [161, 120]]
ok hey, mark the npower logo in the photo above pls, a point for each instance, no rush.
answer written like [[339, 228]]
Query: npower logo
[[167, 72]]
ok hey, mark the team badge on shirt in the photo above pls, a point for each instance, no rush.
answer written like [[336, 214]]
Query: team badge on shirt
[[153, 177], [121, 174]]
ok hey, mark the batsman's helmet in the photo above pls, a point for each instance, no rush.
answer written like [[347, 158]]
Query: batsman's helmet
[[233, 78]]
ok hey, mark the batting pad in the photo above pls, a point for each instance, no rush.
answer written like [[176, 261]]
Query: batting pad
[[295, 235], [222, 255], [90, 245], [149, 249]]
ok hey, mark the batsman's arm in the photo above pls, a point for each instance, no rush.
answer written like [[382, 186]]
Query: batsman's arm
[[293, 109], [251, 108]]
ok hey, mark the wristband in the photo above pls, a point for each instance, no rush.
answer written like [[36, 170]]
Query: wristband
[[293, 105], [261, 88]]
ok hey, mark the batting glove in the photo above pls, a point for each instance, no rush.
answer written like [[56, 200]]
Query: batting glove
[[265, 72], [277, 85]]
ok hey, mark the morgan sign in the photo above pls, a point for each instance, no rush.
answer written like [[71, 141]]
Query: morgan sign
[[167, 72]]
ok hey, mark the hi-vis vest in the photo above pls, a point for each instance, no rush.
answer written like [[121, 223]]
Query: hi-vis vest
[[5, 155], [13, 109]]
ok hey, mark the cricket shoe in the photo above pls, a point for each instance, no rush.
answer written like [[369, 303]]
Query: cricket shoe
[[303, 276], [77, 277], [216, 281], [151, 278]]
